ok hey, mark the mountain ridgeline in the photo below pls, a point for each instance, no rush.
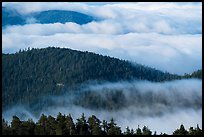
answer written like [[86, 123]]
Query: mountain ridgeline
[[62, 16], [12, 17], [28, 75]]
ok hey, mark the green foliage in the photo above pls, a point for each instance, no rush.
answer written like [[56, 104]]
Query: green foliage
[[64, 125], [82, 126], [93, 100], [128, 132], [15, 126], [138, 131], [94, 125], [104, 127], [181, 131], [32, 73], [69, 124], [146, 131], [195, 74], [113, 129], [6, 130]]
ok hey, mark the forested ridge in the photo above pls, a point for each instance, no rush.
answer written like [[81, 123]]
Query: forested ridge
[[12, 17], [29, 74], [62, 16], [65, 125]]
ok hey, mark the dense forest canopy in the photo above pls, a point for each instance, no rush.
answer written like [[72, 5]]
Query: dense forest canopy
[[65, 125], [30, 74]]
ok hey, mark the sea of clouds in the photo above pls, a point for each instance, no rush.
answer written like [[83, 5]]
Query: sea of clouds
[[166, 36]]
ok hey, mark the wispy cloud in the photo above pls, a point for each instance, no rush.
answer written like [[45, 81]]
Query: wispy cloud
[[152, 104]]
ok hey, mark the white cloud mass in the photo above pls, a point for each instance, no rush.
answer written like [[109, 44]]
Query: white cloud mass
[[166, 36]]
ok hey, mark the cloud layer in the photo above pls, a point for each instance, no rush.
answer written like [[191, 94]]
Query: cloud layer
[[166, 36], [176, 54]]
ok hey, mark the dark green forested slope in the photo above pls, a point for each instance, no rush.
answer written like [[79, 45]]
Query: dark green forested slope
[[26, 75]]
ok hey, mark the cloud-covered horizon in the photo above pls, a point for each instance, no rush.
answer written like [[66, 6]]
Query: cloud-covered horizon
[[166, 36]]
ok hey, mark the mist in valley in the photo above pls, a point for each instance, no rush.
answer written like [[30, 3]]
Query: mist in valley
[[162, 107]]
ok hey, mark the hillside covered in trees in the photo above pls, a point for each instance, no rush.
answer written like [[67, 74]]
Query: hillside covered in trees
[[28, 75], [65, 125]]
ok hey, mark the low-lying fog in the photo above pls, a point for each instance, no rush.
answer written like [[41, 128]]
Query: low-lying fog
[[163, 107]]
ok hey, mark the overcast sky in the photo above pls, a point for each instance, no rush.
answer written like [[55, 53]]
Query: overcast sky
[[166, 36]]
